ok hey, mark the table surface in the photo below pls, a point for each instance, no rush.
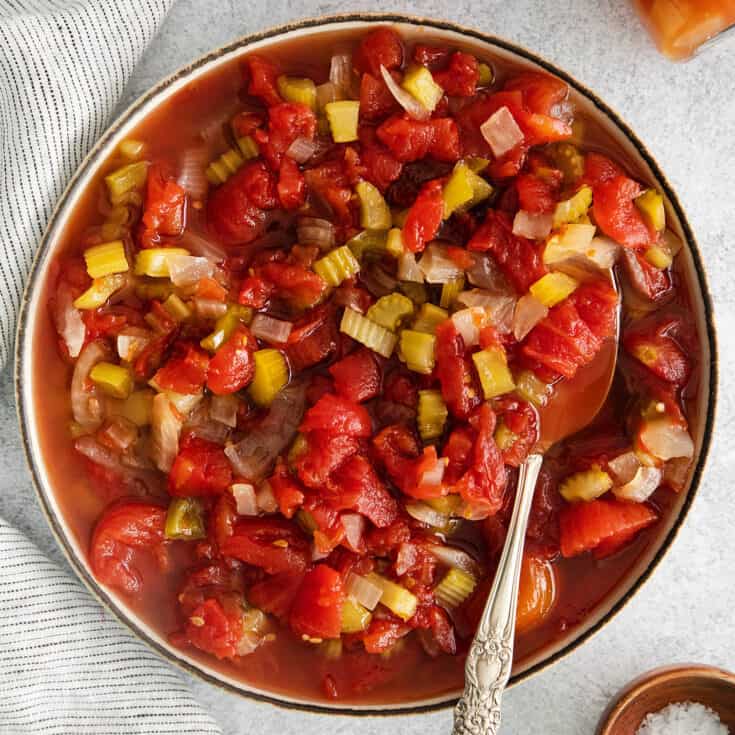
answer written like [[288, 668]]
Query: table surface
[[685, 114]]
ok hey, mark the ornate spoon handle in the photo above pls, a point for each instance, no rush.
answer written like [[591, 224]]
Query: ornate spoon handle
[[490, 658]]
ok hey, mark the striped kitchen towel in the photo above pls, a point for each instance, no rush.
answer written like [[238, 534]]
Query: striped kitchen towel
[[67, 667]]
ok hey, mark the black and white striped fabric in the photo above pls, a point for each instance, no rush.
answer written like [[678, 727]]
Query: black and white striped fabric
[[66, 666]]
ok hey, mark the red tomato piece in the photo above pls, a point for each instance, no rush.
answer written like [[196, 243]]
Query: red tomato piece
[[274, 544], [460, 77], [312, 339], [329, 182], [213, 630], [358, 488], [222, 519], [233, 365], [534, 194], [584, 526], [598, 169], [424, 217], [456, 376], [432, 57], [379, 166], [276, 594], [381, 47], [200, 468], [235, 210], [396, 447], [324, 453], [185, 371], [316, 611], [407, 139], [445, 144], [286, 122], [659, 353], [104, 322], [337, 415], [458, 450], [518, 258], [261, 75], [541, 92], [376, 100], [401, 389], [617, 215], [649, 281], [383, 634], [122, 529], [357, 376], [291, 184], [289, 495], [294, 283], [597, 303], [246, 123], [414, 482], [255, 292], [543, 521], [165, 207], [521, 418]]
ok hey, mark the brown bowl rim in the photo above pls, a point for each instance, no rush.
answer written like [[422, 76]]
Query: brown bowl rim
[[654, 678], [22, 356]]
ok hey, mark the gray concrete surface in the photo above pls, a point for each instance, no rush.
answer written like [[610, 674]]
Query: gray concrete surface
[[686, 114]]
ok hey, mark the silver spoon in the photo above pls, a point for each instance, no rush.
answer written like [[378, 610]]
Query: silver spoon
[[490, 658]]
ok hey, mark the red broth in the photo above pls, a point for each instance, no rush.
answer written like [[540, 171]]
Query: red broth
[[287, 665]]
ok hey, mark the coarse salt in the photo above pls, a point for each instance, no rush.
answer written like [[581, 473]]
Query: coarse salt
[[683, 718]]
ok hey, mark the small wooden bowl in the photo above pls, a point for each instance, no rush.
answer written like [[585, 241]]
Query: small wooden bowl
[[710, 686]]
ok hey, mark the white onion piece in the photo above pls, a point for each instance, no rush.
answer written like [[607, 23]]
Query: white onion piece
[[131, 341], [315, 231], [405, 558], [68, 320], [644, 483], [165, 429], [99, 454], [186, 270], [302, 149], [624, 467], [437, 266], [224, 409], [501, 132], [340, 73], [676, 473], [532, 225], [455, 558], [665, 439], [198, 245], [245, 500], [209, 308], [484, 273], [407, 101], [354, 525], [408, 269], [499, 308], [528, 312], [364, 591], [85, 403], [253, 457], [120, 433], [426, 514], [274, 331], [433, 476], [185, 403], [468, 322], [192, 166], [326, 93], [265, 498], [135, 477]]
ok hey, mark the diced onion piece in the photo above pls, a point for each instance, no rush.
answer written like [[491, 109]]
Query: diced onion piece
[[367, 333], [340, 73], [528, 312], [426, 514], [269, 329], [406, 100], [315, 231], [363, 590], [210, 308], [469, 322], [185, 270], [198, 245], [665, 439], [408, 269], [576, 241], [86, 406], [484, 273], [165, 429], [531, 225], [437, 266], [354, 525], [119, 433], [377, 280], [245, 500], [624, 467], [326, 93], [68, 321], [644, 483], [302, 149], [433, 476], [224, 409], [501, 132], [498, 308], [676, 473], [455, 558], [265, 498], [455, 588], [192, 178]]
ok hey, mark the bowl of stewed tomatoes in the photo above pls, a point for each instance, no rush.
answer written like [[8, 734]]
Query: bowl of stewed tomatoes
[[286, 339]]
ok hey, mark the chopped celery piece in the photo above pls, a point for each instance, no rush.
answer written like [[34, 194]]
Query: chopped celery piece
[[455, 588], [125, 180], [585, 486], [367, 332], [553, 288], [504, 437], [115, 380], [450, 290], [343, 116], [232, 160], [100, 290], [399, 217], [367, 241], [485, 75], [447, 505], [651, 206], [464, 189], [158, 290], [106, 258], [355, 617], [131, 149], [659, 257], [394, 242], [417, 292], [396, 598], [185, 520], [271, 374], [492, 369], [137, 407], [223, 167], [177, 308], [337, 266], [419, 83], [416, 349], [248, 147], [297, 89], [477, 164], [432, 414], [429, 318], [374, 211], [153, 262], [532, 388], [226, 325], [568, 159], [573, 208], [390, 310]]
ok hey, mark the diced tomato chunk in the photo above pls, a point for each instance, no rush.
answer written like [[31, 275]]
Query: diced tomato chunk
[[383, 634], [274, 544], [287, 492], [597, 303], [294, 283], [424, 217], [521, 419], [584, 526], [541, 92], [534, 194], [598, 169], [337, 415], [213, 630], [255, 292], [407, 139], [185, 371], [261, 76], [445, 144], [396, 447], [312, 339], [233, 365], [200, 468], [286, 122], [378, 164], [460, 77], [357, 376], [649, 281], [659, 352], [316, 611], [617, 215], [399, 388], [381, 47], [165, 207], [323, 454], [276, 594], [376, 100], [456, 376], [291, 185], [432, 57]]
